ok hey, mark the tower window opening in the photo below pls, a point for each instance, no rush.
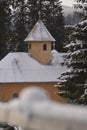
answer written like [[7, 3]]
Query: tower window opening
[[44, 47], [15, 95], [29, 46]]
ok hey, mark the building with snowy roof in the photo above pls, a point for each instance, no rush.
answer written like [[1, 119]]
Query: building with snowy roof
[[39, 67]]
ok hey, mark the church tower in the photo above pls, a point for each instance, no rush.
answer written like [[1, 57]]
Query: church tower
[[39, 43]]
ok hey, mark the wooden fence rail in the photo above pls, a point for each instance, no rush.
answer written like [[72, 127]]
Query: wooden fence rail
[[33, 110]]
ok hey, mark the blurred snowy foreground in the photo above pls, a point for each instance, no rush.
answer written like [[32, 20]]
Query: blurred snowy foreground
[[34, 110]]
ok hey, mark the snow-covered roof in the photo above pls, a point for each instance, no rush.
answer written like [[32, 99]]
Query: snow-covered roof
[[39, 33], [21, 67]]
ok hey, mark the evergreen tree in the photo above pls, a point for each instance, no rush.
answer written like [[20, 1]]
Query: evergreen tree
[[5, 13], [81, 6], [75, 80], [68, 30], [18, 26]]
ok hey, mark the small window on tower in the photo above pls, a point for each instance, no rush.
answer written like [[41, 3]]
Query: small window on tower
[[44, 47], [29, 46], [15, 95]]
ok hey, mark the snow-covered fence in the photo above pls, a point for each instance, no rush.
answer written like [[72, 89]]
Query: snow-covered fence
[[33, 110]]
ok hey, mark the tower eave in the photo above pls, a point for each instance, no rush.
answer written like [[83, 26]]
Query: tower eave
[[28, 40]]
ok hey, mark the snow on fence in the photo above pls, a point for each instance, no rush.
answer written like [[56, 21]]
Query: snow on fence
[[34, 110]]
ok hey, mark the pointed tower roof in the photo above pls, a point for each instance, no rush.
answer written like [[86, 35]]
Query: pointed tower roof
[[39, 33]]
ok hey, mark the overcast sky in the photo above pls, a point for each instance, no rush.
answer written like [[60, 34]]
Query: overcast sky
[[67, 2]]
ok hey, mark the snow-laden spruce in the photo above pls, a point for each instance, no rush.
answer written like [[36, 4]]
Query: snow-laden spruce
[[76, 60]]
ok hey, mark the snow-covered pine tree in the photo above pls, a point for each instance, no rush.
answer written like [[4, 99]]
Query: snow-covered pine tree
[[5, 13], [81, 6], [18, 26], [55, 23], [75, 80]]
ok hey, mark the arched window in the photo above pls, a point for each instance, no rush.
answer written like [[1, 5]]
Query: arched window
[[15, 95], [44, 47]]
